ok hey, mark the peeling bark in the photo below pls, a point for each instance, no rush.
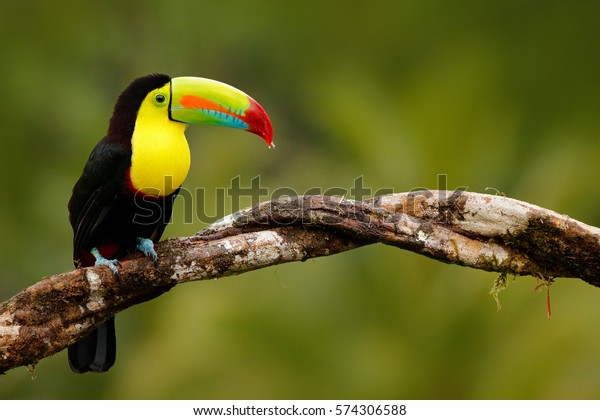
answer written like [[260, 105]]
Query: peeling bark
[[491, 233]]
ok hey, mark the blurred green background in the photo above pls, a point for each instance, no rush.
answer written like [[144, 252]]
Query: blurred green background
[[498, 94]]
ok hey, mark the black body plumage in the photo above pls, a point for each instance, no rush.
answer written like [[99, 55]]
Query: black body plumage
[[106, 213]]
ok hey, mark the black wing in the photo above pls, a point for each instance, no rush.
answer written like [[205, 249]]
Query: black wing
[[167, 210], [96, 192]]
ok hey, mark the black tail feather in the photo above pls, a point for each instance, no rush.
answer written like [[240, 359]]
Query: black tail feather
[[96, 352]]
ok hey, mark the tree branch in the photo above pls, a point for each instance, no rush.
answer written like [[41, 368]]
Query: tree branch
[[486, 232]]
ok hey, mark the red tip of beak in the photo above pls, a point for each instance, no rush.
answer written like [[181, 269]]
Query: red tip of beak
[[258, 122]]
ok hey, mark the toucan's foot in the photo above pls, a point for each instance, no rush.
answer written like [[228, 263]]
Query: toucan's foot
[[147, 247], [114, 265]]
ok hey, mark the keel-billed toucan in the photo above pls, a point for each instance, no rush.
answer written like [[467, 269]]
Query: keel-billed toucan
[[124, 197]]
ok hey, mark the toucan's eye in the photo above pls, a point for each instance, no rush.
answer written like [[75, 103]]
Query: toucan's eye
[[160, 99]]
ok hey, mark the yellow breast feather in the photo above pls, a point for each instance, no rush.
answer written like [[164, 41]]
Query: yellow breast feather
[[160, 158]]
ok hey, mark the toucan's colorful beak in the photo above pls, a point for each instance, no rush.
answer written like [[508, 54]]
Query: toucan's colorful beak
[[195, 100]]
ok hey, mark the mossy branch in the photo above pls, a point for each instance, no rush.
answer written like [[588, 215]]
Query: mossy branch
[[486, 232]]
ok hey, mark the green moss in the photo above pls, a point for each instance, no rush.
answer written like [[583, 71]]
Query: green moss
[[496, 191], [500, 284]]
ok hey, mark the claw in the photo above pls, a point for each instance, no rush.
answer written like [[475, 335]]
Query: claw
[[147, 247], [114, 265]]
